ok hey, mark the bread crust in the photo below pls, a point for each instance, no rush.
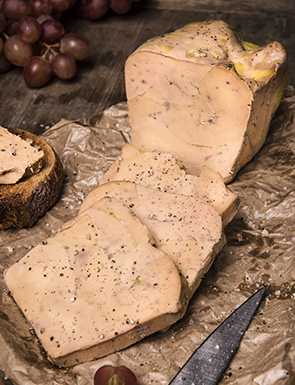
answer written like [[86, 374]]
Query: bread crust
[[23, 203]]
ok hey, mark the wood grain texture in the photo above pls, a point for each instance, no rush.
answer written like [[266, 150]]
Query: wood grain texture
[[230, 6]]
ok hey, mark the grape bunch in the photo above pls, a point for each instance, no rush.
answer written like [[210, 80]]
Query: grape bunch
[[32, 37]]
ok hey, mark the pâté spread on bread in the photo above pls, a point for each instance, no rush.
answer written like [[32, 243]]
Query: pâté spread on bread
[[18, 158], [31, 178], [200, 103]]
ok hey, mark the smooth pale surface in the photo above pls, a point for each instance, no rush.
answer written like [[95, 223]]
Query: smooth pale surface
[[162, 171], [97, 286], [188, 229], [204, 95], [18, 158]]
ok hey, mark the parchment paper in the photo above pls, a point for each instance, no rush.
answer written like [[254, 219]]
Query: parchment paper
[[259, 251]]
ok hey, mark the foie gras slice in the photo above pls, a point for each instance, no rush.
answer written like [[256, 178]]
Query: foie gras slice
[[97, 286], [40, 184], [204, 95], [18, 158], [188, 229], [162, 171]]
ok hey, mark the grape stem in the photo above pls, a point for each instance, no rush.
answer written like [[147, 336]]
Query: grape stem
[[46, 52], [49, 48]]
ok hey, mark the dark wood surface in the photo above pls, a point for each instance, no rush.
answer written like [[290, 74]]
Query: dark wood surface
[[99, 82], [231, 6]]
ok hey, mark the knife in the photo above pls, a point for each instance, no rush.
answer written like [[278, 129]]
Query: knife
[[209, 361]]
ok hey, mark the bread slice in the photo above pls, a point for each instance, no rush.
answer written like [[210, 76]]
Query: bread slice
[[163, 171], [23, 202], [186, 228], [97, 286], [18, 158]]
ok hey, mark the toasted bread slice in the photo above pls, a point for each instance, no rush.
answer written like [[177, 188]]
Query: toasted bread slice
[[23, 202]]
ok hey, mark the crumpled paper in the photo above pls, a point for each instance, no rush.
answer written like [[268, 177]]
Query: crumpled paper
[[259, 251]]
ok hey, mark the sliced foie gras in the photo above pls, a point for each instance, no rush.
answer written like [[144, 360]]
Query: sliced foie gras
[[204, 95], [162, 171], [97, 286], [186, 228], [22, 203]]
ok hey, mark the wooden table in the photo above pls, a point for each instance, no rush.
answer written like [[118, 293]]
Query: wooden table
[[99, 82]]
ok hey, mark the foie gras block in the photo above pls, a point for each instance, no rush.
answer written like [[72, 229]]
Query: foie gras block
[[204, 95]]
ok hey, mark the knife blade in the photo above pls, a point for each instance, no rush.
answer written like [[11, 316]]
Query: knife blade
[[209, 361]]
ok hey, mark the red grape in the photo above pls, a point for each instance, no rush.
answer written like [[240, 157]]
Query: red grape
[[109, 374], [40, 7], [91, 9], [80, 8], [29, 29], [120, 6], [62, 5], [15, 9], [17, 51], [3, 22], [11, 28], [37, 72], [1, 45], [64, 65], [76, 45], [5, 65], [52, 31]]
